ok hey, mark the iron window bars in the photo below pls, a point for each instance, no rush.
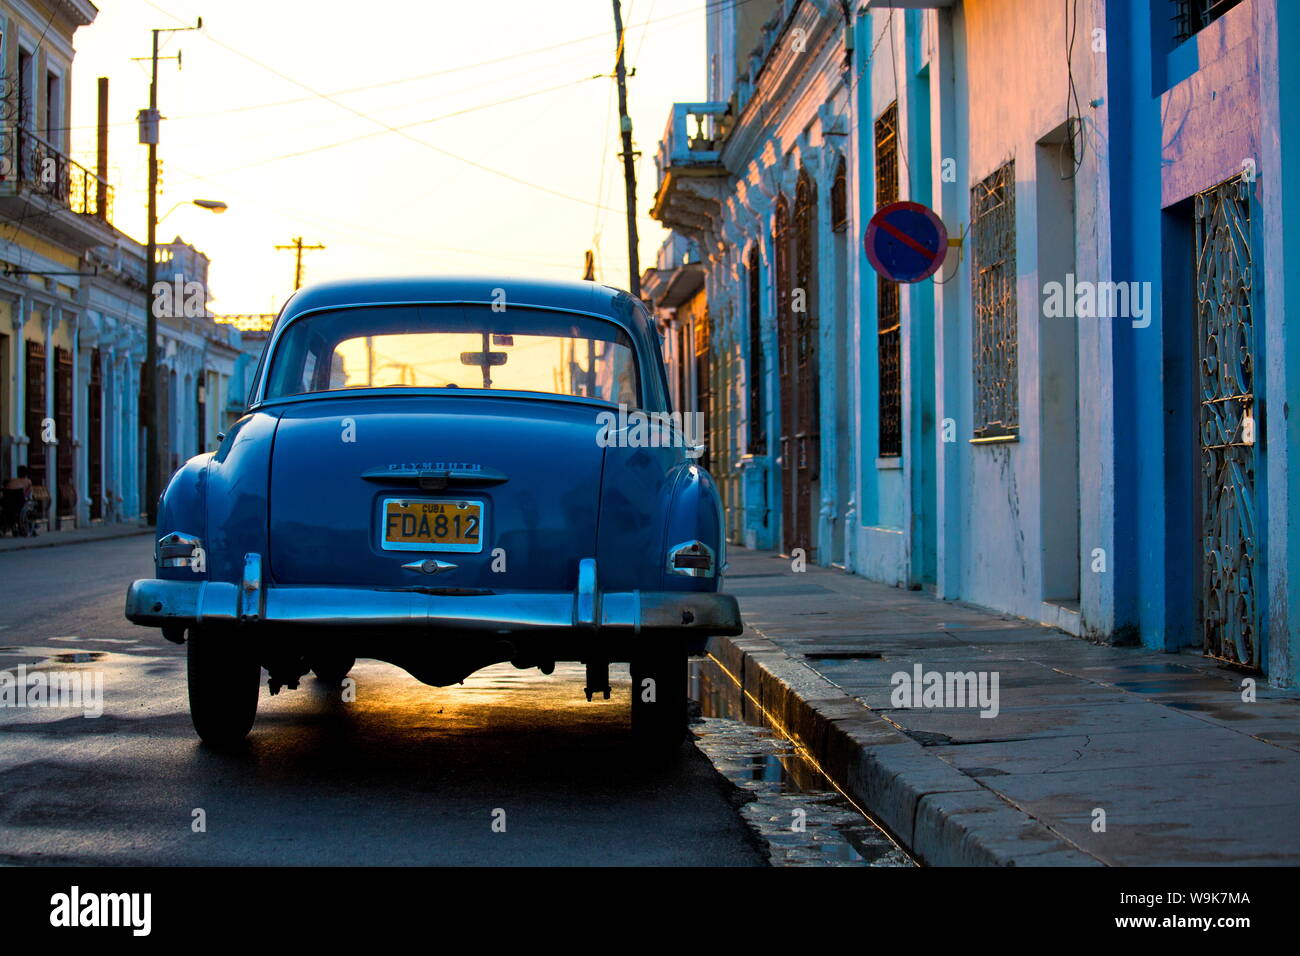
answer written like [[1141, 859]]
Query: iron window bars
[[757, 441], [888, 321], [993, 289], [1192, 16]]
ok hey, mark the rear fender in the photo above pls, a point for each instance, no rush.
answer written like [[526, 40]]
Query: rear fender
[[653, 498], [182, 510], [694, 514], [636, 491], [238, 478]]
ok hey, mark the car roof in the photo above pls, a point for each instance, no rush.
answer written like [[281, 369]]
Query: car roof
[[570, 295]]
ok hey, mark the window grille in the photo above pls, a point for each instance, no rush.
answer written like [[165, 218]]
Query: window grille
[[993, 288], [806, 325], [1192, 16], [704, 383], [839, 199], [757, 442], [888, 323]]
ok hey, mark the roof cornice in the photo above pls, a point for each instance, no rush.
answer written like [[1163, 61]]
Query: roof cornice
[[82, 13]]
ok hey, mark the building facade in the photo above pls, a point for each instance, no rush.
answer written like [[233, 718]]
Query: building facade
[[1083, 417], [757, 178], [73, 300]]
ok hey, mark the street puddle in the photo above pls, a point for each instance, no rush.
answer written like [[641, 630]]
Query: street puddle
[[46, 658], [795, 809], [80, 657]]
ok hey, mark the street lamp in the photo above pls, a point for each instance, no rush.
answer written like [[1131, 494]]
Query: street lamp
[[149, 385], [212, 205]]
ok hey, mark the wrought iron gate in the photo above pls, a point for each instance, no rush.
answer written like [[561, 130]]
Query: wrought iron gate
[[797, 369], [807, 453], [95, 436], [35, 398], [786, 375], [65, 449], [1227, 430]]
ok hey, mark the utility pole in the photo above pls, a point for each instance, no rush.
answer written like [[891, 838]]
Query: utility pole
[[296, 244], [629, 164], [149, 411]]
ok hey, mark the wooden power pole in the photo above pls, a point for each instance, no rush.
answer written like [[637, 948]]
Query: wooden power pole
[[296, 244], [629, 164], [148, 120]]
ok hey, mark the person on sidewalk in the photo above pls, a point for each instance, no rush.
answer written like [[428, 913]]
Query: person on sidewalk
[[20, 482], [17, 504]]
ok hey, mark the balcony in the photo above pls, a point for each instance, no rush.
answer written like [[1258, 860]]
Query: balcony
[[44, 191], [689, 165]]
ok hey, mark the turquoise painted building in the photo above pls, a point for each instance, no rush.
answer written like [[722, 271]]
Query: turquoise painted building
[[1084, 417]]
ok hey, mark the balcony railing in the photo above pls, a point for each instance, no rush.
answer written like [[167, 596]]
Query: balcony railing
[[30, 162], [693, 137]]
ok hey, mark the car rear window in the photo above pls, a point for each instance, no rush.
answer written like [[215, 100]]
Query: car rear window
[[455, 347]]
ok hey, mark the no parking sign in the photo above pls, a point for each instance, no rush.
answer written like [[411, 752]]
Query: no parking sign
[[906, 242]]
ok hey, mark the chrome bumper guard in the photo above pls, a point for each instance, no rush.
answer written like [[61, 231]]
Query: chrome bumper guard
[[165, 603]]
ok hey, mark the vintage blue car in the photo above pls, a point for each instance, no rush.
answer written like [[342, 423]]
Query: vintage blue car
[[445, 474]]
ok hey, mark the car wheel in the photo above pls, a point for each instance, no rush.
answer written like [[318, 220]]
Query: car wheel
[[659, 697], [332, 670], [223, 680]]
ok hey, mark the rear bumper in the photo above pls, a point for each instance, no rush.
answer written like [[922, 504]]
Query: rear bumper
[[176, 604]]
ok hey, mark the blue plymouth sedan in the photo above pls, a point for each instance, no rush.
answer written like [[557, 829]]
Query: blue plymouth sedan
[[445, 474]]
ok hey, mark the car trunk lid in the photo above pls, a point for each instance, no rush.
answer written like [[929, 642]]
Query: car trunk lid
[[353, 478]]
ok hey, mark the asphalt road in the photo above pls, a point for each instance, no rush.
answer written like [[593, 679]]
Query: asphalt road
[[405, 774]]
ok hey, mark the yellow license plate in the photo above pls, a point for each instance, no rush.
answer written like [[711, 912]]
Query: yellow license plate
[[432, 524]]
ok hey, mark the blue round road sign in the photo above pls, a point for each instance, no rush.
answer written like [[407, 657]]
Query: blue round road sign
[[906, 242]]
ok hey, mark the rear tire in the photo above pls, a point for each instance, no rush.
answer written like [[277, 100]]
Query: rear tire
[[224, 679], [659, 715]]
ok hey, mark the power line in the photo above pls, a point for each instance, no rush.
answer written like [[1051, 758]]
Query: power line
[[510, 78], [714, 4], [708, 7], [382, 132], [351, 229]]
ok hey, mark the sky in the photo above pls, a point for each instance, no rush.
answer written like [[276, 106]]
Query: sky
[[283, 109]]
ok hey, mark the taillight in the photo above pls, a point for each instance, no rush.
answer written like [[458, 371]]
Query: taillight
[[692, 558], [178, 550]]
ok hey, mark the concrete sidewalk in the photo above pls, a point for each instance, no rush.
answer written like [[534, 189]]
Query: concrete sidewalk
[[96, 532], [1186, 772]]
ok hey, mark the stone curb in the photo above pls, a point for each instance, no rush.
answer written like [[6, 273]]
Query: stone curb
[[57, 539], [942, 816]]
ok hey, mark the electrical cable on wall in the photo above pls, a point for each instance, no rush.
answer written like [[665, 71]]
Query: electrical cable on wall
[[1075, 130]]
